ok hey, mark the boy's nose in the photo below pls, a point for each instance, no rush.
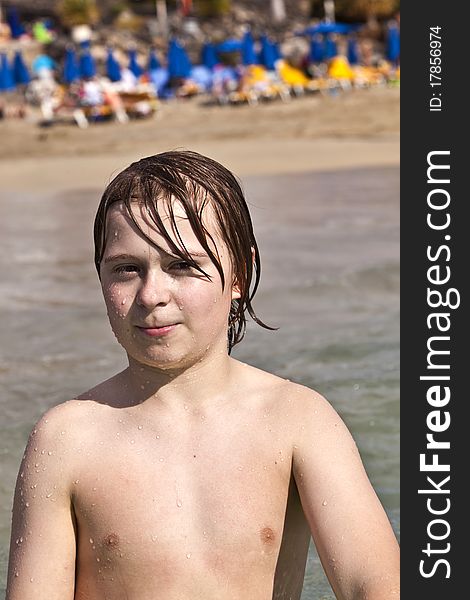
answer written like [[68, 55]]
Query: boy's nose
[[154, 291]]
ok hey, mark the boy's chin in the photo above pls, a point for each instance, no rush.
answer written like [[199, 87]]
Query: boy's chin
[[168, 359]]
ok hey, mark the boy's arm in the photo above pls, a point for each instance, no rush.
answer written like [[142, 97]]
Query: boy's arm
[[42, 550], [353, 536]]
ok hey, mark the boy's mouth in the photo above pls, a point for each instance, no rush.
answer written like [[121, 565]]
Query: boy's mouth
[[157, 331]]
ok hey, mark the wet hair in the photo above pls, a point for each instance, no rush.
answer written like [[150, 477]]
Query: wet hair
[[194, 181]]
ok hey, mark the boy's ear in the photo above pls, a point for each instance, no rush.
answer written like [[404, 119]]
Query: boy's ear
[[235, 290], [236, 287]]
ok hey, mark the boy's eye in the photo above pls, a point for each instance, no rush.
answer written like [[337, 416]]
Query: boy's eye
[[125, 269], [181, 266]]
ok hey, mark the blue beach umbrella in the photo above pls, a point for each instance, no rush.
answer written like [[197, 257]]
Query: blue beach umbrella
[[71, 71], [230, 45], [326, 28], [20, 70], [87, 66], [14, 22], [134, 66], [153, 62], [7, 81], [248, 49], [330, 47], [209, 55], [353, 52], [393, 43], [317, 49], [113, 70], [179, 65]]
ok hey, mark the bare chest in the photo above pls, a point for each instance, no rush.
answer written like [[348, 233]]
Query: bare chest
[[210, 500]]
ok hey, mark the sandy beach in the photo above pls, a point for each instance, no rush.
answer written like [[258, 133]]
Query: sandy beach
[[314, 133]]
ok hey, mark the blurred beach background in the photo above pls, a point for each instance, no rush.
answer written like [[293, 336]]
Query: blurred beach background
[[321, 175]]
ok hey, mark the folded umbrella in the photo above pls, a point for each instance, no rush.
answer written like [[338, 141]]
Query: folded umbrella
[[7, 81], [248, 49], [71, 71], [209, 55], [133, 64], [330, 48], [353, 53], [153, 62], [113, 70], [20, 70], [393, 44], [179, 65], [87, 66]]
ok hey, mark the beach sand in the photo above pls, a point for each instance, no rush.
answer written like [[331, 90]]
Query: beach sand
[[314, 133]]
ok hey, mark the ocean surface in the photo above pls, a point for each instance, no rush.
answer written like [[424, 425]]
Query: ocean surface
[[329, 245]]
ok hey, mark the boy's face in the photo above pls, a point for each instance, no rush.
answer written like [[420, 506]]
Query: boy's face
[[163, 312]]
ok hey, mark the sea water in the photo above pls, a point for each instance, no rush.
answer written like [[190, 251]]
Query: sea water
[[330, 282]]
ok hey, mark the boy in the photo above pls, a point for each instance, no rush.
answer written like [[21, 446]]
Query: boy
[[190, 475]]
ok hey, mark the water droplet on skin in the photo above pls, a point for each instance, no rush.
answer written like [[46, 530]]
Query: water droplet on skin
[[35, 449], [76, 481], [186, 407], [132, 441], [240, 468], [27, 504], [16, 573], [35, 430], [204, 533], [157, 437], [97, 559], [140, 427], [48, 495], [62, 432], [22, 474], [162, 459], [179, 504], [324, 503], [154, 538], [94, 489], [188, 555], [31, 579]]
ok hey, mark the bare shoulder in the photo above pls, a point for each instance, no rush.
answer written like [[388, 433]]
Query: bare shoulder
[[61, 427], [307, 408]]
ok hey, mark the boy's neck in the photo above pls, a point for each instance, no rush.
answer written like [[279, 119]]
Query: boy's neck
[[197, 385]]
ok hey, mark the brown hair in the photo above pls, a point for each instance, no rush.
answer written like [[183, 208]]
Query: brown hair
[[193, 180]]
